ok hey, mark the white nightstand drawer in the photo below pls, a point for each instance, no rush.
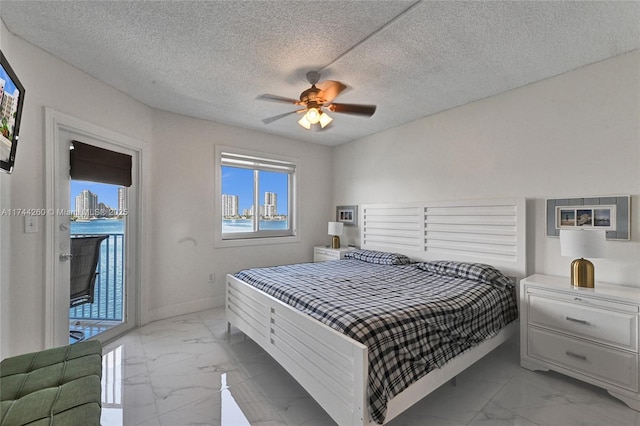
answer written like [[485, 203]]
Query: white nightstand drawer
[[617, 367], [579, 297], [323, 254], [601, 325]]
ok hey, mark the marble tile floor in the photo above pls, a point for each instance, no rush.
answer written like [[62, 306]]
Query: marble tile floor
[[187, 371]]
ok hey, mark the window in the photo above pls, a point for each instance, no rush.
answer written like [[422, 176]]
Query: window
[[256, 196]]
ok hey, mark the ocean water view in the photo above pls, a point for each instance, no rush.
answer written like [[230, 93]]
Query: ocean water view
[[245, 225], [108, 301], [98, 226]]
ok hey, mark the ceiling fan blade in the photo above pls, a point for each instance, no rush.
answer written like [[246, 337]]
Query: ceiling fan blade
[[330, 89], [278, 117], [356, 109], [276, 98]]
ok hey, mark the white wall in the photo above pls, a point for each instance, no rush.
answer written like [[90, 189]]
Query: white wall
[[4, 267], [182, 234], [573, 135], [52, 83], [178, 192]]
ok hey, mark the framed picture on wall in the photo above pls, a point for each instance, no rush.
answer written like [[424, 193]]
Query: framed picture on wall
[[347, 215], [611, 213], [567, 217], [591, 217]]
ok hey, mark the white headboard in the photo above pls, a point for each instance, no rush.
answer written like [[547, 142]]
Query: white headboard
[[485, 231]]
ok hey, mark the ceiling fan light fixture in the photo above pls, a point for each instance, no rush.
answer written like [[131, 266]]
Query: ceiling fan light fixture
[[325, 119], [313, 115], [315, 100], [304, 122]]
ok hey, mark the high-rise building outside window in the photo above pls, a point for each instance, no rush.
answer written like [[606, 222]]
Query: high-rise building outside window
[[248, 180], [86, 204]]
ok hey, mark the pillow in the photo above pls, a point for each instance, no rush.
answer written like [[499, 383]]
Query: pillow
[[379, 257], [473, 271]]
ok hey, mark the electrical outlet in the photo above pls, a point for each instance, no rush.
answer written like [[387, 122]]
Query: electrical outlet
[[212, 278], [30, 224]]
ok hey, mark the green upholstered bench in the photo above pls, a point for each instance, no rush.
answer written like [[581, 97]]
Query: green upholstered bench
[[58, 386]]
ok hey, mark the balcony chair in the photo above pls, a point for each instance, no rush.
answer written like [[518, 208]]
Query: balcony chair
[[85, 253]]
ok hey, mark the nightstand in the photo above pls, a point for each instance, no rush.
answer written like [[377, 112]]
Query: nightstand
[[590, 334], [322, 254]]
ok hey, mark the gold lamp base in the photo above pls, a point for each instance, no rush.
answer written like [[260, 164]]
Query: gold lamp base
[[335, 242], [582, 273]]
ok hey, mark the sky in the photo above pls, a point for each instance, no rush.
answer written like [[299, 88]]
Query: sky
[[9, 87], [237, 181], [106, 193]]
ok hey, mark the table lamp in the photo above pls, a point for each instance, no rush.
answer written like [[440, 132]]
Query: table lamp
[[582, 243], [335, 230]]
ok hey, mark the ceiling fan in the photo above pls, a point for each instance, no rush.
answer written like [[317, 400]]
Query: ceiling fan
[[315, 100]]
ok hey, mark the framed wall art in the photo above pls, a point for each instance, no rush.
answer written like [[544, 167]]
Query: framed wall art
[[611, 214], [347, 215], [586, 217]]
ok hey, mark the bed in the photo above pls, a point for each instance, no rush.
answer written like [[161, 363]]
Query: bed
[[329, 352]]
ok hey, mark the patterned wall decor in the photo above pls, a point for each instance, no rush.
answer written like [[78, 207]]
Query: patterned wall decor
[[611, 214]]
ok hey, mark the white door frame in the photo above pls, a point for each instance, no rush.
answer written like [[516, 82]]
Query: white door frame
[[56, 307]]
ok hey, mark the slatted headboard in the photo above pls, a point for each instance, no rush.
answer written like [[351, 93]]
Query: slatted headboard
[[486, 231]]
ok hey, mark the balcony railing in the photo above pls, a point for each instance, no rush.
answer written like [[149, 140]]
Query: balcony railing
[[108, 295]]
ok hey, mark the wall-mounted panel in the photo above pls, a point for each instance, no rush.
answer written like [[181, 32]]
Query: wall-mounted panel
[[610, 213]]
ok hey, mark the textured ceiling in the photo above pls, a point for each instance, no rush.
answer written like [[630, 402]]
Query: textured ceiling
[[212, 59]]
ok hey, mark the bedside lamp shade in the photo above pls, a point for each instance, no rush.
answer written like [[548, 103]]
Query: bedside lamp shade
[[335, 229], [581, 243]]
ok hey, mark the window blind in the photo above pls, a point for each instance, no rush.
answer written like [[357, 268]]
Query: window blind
[[250, 162], [95, 164]]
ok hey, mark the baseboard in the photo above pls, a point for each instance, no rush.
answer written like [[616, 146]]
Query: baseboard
[[184, 308]]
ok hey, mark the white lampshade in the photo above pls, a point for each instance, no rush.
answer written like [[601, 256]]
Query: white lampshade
[[582, 243], [313, 115], [304, 122], [335, 228], [325, 120]]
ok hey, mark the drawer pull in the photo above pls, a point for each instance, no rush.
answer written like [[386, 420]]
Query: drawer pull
[[577, 356], [579, 321]]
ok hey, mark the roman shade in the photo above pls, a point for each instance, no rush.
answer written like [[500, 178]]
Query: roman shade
[[95, 164]]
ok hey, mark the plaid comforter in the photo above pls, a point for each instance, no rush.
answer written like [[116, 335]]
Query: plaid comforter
[[411, 320]]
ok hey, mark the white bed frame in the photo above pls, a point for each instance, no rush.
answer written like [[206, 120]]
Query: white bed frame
[[333, 367]]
